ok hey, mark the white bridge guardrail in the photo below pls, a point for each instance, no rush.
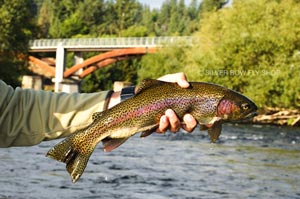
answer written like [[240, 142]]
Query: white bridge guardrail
[[107, 43]]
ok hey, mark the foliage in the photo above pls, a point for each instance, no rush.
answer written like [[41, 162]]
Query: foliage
[[64, 19], [86, 18], [212, 5], [16, 27], [253, 49], [169, 59], [103, 79], [175, 18]]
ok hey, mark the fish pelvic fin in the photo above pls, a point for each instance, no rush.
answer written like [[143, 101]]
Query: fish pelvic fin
[[215, 131], [75, 160], [146, 133], [110, 144]]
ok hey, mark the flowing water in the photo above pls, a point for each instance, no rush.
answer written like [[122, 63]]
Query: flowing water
[[250, 161]]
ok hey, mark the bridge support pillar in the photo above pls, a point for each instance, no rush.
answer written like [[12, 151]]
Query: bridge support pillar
[[78, 59], [60, 66]]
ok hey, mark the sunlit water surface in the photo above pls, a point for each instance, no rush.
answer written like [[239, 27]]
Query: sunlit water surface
[[248, 162]]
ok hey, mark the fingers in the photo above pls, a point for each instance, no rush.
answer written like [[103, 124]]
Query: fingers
[[182, 80], [163, 124], [189, 123], [179, 78], [174, 121], [171, 121]]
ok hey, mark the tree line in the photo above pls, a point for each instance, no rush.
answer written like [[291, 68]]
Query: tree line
[[250, 46], [99, 18], [22, 20]]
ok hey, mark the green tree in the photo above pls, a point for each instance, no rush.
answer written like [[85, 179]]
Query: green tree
[[129, 13], [212, 5], [103, 78], [135, 31], [65, 19], [253, 48], [169, 59], [175, 18], [149, 20], [16, 27]]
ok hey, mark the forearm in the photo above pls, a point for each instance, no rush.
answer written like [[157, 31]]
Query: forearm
[[29, 117]]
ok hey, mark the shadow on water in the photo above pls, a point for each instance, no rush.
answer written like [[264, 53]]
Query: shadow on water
[[250, 161]]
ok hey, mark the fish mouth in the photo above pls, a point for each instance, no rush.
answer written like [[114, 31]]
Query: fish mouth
[[247, 118], [250, 115]]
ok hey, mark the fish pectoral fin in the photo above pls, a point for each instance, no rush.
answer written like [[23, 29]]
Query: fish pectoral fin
[[148, 130], [203, 128], [215, 131], [146, 133], [110, 144]]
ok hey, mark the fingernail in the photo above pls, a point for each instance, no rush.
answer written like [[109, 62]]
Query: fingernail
[[188, 118], [165, 120], [169, 112]]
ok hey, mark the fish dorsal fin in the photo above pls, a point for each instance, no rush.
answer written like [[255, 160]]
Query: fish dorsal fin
[[215, 131], [97, 115], [147, 83]]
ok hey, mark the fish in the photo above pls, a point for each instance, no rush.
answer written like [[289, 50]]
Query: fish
[[210, 104]]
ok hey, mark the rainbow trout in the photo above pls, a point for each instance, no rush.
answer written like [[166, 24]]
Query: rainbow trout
[[209, 104]]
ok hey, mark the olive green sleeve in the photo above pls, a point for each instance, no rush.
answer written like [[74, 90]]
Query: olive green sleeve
[[28, 117]]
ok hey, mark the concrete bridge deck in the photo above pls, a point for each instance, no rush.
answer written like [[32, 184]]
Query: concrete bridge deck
[[105, 44]]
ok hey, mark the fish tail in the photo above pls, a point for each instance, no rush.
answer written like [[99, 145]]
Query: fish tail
[[75, 160]]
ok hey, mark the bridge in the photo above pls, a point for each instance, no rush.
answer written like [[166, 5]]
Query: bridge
[[105, 44], [111, 50]]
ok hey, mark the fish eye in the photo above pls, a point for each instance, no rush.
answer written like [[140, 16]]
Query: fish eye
[[245, 106]]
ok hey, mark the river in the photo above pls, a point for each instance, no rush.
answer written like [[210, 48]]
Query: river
[[249, 161]]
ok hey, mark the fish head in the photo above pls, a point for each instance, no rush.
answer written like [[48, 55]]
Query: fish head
[[235, 106]]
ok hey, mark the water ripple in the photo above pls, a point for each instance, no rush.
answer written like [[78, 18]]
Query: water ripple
[[248, 162]]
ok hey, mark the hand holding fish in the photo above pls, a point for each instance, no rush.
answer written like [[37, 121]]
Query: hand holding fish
[[170, 120]]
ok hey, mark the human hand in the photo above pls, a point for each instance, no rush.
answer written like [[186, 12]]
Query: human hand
[[170, 120]]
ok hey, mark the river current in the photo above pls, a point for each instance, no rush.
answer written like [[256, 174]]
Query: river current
[[249, 161]]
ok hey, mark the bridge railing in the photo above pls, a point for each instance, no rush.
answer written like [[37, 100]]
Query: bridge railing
[[108, 43]]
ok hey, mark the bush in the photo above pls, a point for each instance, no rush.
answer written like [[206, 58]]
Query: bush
[[252, 47]]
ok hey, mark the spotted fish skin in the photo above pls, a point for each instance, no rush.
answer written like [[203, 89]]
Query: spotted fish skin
[[209, 104]]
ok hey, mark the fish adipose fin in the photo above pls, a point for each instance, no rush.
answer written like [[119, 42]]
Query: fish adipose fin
[[215, 131], [110, 144], [75, 160]]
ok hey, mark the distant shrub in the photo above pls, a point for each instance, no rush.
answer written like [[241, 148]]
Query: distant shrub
[[252, 47]]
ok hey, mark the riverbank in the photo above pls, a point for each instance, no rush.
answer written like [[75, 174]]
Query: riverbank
[[278, 116]]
